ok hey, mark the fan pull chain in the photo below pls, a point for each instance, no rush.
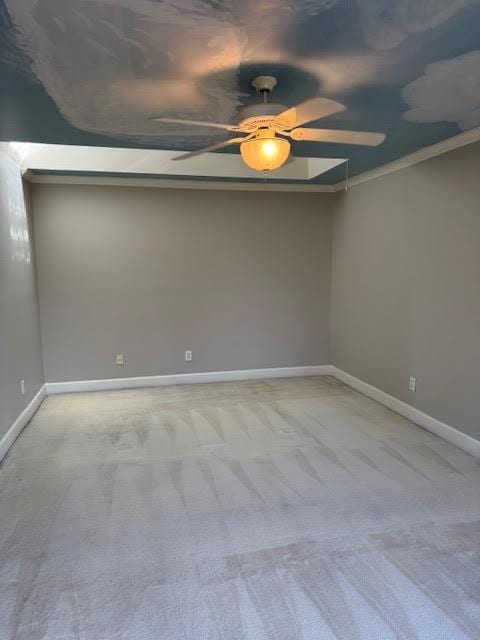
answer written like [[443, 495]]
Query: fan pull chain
[[346, 174]]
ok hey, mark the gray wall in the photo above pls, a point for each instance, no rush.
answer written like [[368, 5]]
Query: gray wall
[[20, 352], [241, 278], [406, 285]]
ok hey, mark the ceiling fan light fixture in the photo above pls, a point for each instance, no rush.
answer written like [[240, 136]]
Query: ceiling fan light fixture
[[260, 148], [266, 151]]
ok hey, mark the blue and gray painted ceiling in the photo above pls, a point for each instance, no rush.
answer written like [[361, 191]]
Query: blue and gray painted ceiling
[[91, 72]]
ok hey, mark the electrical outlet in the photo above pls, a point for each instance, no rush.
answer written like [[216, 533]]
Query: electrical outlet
[[413, 384], [22, 387], [188, 355], [120, 359]]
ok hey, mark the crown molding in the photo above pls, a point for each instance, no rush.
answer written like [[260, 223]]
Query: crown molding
[[160, 183], [449, 144]]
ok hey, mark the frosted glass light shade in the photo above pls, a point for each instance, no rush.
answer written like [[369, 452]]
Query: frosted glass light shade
[[265, 152]]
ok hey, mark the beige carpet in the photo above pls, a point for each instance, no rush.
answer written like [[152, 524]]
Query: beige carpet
[[268, 510]]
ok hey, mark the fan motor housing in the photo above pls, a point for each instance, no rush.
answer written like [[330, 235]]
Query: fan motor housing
[[255, 116]]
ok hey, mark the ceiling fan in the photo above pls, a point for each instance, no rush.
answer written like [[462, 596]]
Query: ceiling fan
[[263, 147]]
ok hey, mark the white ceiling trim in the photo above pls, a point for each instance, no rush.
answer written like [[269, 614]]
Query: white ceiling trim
[[165, 183], [450, 144]]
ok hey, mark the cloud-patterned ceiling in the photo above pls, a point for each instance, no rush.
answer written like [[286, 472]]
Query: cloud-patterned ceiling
[[93, 71]]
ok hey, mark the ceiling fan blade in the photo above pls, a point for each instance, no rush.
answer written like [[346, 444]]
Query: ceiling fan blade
[[364, 138], [195, 123], [212, 147], [308, 111]]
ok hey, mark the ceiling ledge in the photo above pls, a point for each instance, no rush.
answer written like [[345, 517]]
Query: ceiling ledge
[[166, 183], [33, 162], [152, 163]]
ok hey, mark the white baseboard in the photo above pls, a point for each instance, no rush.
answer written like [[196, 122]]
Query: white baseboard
[[445, 431], [21, 422], [185, 378]]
